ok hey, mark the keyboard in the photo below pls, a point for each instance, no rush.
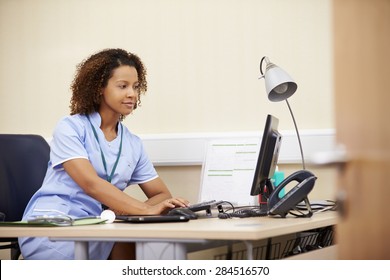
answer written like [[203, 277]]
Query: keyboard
[[190, 211], [206, 205]]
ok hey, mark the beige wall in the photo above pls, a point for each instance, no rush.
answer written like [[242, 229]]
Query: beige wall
[[202, 58]]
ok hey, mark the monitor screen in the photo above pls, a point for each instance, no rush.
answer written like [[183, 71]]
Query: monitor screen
[[268, 157]]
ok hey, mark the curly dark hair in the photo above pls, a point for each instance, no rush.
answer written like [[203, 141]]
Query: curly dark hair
[[92, 76]]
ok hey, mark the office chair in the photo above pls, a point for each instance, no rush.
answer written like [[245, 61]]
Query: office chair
[[23, 164]]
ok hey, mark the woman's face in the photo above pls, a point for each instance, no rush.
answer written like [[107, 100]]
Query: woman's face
[[121, 94]]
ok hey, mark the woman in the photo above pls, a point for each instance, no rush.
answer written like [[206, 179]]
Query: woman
[[94, 157]]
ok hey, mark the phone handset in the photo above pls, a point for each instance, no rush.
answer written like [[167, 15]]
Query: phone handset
[[281, 206]]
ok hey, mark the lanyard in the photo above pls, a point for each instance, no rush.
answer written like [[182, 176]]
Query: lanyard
[[109, 177]]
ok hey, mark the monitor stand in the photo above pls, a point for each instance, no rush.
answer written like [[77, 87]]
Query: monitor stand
[[264, 195]]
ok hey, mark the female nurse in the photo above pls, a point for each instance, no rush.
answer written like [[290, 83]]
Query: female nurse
[[94, 157]]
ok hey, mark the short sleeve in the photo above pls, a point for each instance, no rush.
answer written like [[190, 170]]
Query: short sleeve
[[68, 141]]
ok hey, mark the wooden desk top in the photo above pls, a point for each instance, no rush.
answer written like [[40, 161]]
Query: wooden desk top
[[201, 229]]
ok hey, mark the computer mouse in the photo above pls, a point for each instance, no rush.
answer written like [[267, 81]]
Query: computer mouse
[[183, 212]]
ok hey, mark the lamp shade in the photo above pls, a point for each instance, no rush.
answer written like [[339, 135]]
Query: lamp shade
[[278, 84]]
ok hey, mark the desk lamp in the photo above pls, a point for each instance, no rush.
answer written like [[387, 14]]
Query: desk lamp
[[280, 86]]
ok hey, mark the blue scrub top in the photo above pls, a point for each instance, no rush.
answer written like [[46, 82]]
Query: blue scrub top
[[74, 138]]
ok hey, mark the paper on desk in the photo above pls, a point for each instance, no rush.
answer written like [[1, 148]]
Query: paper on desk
[[228, 170]]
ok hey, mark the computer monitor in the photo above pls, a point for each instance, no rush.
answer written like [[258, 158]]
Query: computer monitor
[[268, 158]]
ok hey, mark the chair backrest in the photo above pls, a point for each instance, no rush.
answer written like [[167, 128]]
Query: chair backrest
[[23, 165]]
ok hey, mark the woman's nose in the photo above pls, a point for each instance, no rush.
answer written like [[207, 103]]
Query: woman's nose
[[131, 92]]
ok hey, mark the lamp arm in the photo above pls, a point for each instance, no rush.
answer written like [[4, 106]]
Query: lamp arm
[[299, 138], [261, 65]]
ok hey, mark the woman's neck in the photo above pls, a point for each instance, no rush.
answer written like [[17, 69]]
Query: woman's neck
[[109, 125]]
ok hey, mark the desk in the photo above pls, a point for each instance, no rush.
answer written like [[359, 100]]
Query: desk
[[170, 240]]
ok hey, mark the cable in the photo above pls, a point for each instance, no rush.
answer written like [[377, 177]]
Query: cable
[[301, 214], [317, 206], [227, 202], [330, 205], [243, 212]]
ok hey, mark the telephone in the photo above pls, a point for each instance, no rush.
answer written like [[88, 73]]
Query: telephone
[[281, 206]]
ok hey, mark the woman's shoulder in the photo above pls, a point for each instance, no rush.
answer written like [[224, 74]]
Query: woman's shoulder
[[71, 122], [73, 119], [130, 135]]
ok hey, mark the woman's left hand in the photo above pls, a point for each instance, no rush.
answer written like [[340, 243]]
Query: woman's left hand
[[177, 202]]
